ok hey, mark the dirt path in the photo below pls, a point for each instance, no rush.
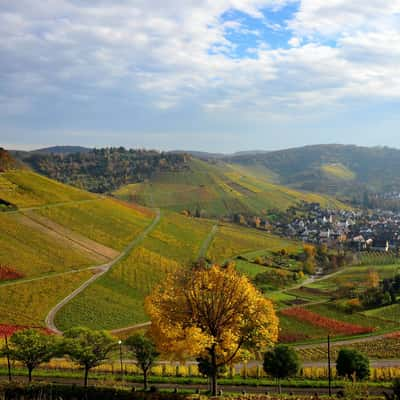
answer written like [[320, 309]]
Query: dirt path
[[102, 270], [207, 242]]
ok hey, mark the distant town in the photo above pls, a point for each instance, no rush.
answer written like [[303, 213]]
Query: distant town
[[376, 230]]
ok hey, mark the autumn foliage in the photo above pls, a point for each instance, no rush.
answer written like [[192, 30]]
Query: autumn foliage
[[8, 273], [332, 325], [213, 313]]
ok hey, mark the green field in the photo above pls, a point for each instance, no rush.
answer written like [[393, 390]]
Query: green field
[[356, 276], [390, 313]]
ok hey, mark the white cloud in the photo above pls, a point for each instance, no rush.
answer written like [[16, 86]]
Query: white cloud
[[172, 53]]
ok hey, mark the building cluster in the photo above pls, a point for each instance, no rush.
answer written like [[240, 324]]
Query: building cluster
[[375, 231]]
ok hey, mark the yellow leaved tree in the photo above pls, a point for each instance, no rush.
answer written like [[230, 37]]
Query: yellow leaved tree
[[212, 313]]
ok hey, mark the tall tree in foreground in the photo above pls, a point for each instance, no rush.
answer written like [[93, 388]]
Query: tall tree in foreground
[[145, 352], [87, 348], [351, 363], [281, 362], [31, 348], [211, 313]]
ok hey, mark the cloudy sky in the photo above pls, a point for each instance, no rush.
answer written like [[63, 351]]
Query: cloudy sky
[[216, 75]]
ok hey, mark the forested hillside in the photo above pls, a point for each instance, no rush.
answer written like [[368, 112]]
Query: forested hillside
[[6, 161], [104, 170], [348, 170]]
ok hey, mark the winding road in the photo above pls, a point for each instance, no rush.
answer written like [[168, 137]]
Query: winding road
[[102, 269]]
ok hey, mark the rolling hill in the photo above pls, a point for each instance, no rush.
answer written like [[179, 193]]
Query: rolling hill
[[331, 169], [177, 181], [52, 238], [215, 189]]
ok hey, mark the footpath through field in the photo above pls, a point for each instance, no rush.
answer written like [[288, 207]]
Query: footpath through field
[[207, 242], [102, 269]]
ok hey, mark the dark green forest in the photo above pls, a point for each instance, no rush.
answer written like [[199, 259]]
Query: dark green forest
[[104, 170]]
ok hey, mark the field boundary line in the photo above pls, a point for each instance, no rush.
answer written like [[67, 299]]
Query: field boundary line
[[52, 205], [207, 242], [50, 324]]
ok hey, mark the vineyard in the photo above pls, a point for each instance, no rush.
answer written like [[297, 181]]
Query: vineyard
[[231, 241], [384, 348], [27, 304], [379, 258], [333, 326], [216, 190], [8, 273], [32, 251], [105, 221], [27, 189], [120, 294]]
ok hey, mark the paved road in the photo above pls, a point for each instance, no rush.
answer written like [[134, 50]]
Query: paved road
[[102, 269]]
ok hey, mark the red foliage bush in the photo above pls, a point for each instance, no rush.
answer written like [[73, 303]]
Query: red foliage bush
[[332, 325], [8, 330], [8, 273], [291, 337]]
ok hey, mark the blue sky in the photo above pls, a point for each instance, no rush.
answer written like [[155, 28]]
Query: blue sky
[[213, 75]]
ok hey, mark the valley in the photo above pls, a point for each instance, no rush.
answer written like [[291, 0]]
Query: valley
[[76, 258]]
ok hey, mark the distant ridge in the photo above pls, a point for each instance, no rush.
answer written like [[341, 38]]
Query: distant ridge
[[62, 150]]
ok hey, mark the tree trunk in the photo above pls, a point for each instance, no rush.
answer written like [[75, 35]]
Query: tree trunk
[[213, 371], [145, 379], [86, 376], [29, 375]]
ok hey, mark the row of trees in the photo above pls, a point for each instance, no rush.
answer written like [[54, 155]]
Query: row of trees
[[89, 348], [210, 313], [86, 347]]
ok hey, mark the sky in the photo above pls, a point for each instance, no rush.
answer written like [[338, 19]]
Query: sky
[[210, 75]]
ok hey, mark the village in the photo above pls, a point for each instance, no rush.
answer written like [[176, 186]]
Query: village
[[360, 230]]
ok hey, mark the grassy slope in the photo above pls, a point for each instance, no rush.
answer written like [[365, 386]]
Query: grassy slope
[[218, 189], [33, 249], [232, 240], [27, 189], [119, 295], [175, 243]]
